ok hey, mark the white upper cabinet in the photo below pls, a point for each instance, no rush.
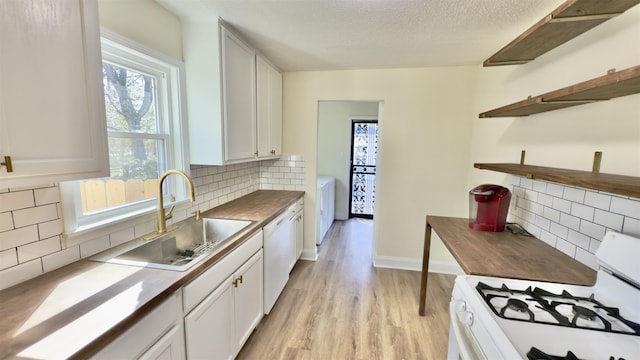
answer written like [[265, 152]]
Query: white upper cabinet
[[239, 99], [269, 117], [52, 117], [222, 96]]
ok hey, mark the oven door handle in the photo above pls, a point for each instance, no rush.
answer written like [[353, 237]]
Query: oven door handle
[[461, 322]]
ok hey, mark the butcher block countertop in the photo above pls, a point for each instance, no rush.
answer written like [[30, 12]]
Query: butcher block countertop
[[502, 254], [76, 310]]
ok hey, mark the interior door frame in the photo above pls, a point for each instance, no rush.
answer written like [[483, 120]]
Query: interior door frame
[[353, 121]]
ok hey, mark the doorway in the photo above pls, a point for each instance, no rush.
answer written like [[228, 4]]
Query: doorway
[[364, 150]]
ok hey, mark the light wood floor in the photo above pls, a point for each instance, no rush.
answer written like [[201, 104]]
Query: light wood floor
[[341, 307]]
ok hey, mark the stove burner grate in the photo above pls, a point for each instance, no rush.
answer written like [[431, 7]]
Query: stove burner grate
[[550, 302], [536, 354]]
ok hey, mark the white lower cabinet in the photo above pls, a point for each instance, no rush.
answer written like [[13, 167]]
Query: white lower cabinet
[[208, 327], [169, 347], [159, 335], [218, 326]]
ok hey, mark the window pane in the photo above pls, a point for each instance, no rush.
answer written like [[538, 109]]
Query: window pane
[[135, 169], [130, 100], [135, 158]]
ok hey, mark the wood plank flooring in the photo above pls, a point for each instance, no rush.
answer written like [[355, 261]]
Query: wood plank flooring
[[341, 307]]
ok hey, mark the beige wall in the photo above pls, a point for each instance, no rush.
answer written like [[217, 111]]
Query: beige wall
[[563, 138], [334, 144], [424, 145], [143, 21]]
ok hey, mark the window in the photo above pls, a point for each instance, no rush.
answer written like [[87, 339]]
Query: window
[[145, 137]]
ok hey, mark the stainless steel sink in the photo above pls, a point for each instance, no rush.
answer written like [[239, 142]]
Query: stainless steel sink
[[180, 247]]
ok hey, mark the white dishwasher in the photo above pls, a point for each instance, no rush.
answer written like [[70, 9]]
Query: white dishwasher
[[277, 253]]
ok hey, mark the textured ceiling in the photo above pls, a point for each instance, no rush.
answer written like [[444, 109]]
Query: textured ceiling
[[347, 34]]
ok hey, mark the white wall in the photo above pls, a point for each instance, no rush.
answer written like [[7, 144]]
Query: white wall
[[424, 146], [334, 144], [143, 21], [563, 138]]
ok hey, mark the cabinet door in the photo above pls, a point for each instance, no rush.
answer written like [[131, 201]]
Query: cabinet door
[[247, 298], [52, 117], [169, 347], [239, 98], [269, 121], [299, 233], [209, 327]]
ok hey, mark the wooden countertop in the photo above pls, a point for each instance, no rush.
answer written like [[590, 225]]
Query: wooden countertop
[[66, 307], [503, 254]]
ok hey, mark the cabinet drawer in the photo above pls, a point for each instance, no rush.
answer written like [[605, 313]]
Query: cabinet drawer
[[195, 291]]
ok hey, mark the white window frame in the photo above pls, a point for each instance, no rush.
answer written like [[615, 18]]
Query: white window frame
[[173, 121]]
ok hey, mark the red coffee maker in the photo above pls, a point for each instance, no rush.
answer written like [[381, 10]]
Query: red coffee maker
[[488, 207]]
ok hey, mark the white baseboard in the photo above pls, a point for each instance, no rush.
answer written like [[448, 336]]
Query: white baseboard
[[311, 255], [341, 216], [443, 267]]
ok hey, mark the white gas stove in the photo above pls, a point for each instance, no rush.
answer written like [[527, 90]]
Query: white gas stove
[[496, 318]]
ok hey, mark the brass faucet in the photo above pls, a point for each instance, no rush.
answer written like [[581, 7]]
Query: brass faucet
[[162, 217]]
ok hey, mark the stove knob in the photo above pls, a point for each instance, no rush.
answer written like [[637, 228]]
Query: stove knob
[[460, 305], [469, 319]]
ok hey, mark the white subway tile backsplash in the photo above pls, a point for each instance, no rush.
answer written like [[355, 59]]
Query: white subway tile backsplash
[[582, 211], [526, 183], [594, 230], [579, 239], [551, 214], [35, 215], [6, 221], [569, 221], [61, 258], [8, 258], [38, 249], [122, 236], [539, 186], [566, 247], [18, 237], [594, 245], [609, 220], [50, 228], [559, 230], [19, 273], [548, 237], [573, 194], [543, 223], [16, 200], [631, 226], [546, 200], [555, 190], [94, 246], [597, 200], [562, 205], [30, 214], [627, 207], [45, 196], [573, 220]]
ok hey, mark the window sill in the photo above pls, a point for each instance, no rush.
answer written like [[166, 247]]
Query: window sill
[[103, 228]]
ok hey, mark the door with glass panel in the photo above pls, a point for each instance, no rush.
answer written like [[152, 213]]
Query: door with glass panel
[[364, 149]]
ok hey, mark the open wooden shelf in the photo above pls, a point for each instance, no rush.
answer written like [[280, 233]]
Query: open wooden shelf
[[569, 20], [615, 184], [614, 84]]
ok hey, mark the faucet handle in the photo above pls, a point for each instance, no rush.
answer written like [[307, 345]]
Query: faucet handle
[[169, 214]]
